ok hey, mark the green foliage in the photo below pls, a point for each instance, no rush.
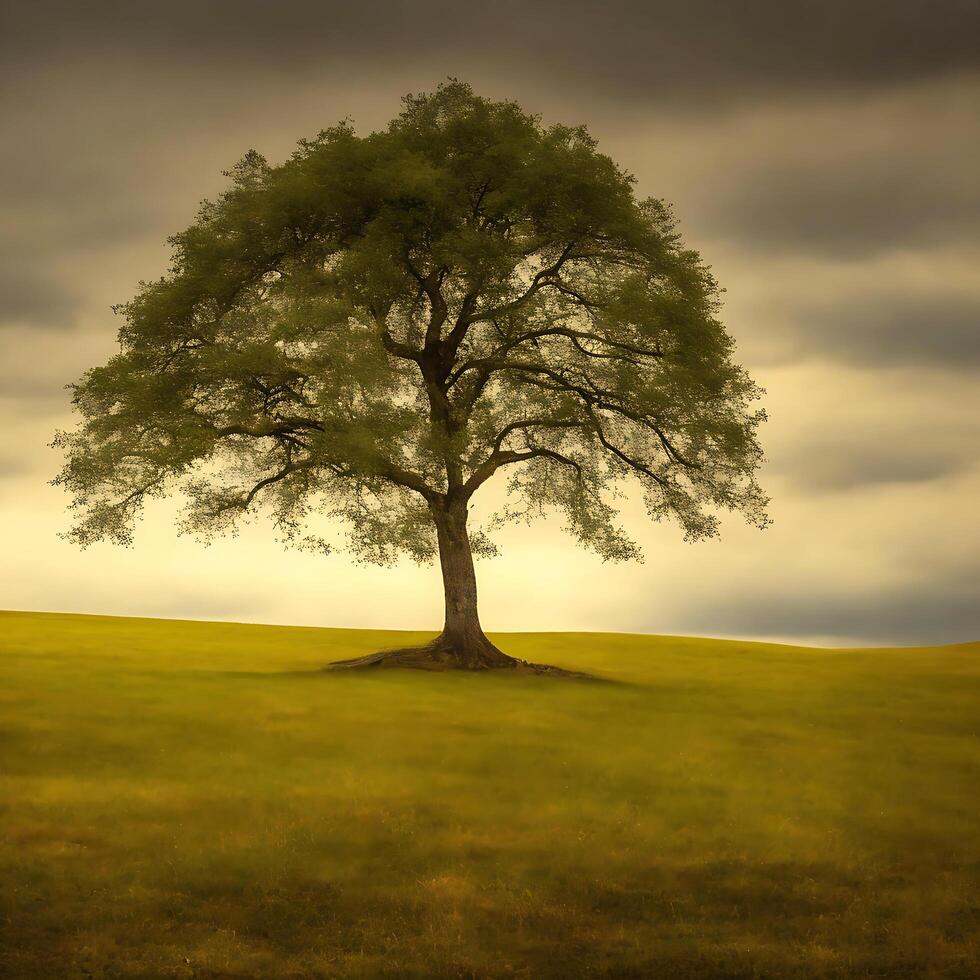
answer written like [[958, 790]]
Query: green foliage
[[376, 327]]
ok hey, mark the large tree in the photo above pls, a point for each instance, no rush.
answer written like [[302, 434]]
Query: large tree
[[375, 328]]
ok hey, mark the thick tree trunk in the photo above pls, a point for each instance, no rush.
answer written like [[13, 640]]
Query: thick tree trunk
[[462, 644]]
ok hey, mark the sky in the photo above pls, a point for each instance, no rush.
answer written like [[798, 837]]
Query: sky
[[822, 157]]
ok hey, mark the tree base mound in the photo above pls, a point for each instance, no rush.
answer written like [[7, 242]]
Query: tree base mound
[[441, 656]]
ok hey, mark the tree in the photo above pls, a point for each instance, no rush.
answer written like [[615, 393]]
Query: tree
[[375, 328]]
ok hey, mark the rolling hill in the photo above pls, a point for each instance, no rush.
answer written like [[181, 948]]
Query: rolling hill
[[187, 799]]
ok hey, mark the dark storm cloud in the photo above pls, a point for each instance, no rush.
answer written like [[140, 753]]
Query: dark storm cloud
[[637, 51]]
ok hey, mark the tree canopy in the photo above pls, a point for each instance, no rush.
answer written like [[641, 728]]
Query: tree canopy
[[374, 328]]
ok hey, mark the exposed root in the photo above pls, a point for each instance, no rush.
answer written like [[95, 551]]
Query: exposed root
[[441, 657]]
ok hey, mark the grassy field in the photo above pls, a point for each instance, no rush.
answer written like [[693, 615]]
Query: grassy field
[[197, 800]]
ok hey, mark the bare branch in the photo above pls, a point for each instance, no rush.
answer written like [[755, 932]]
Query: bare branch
[[288, 427]]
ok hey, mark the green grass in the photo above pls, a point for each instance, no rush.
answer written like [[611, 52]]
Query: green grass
[[194, 800]]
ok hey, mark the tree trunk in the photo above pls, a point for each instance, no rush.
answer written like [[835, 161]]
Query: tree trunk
[[462, 642]]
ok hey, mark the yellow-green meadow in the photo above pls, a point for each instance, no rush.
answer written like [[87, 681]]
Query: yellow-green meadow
[[186, 799]]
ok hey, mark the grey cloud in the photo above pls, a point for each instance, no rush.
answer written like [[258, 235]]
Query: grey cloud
[[908, 432], [636, 51], [944, 608], [47, 396], [36, 365], [830, 465], [30, 297], [52, 273], [95, 195], [885, 324], [61, 210], [850, 208], [840, 178], [36, 389], [897, 327]]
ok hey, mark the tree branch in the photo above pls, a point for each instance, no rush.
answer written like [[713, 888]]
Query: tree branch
[[430, 285], [389, 471], [499, 457], [541, 279], [244, 502], [569, 332], [411, 481], [616, 451], [535, 423], [597, 398]]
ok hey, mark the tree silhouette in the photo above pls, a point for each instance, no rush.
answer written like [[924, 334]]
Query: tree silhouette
[[376, 327]]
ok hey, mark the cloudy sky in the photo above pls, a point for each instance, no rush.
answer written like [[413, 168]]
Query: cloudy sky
[[823, 157]]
